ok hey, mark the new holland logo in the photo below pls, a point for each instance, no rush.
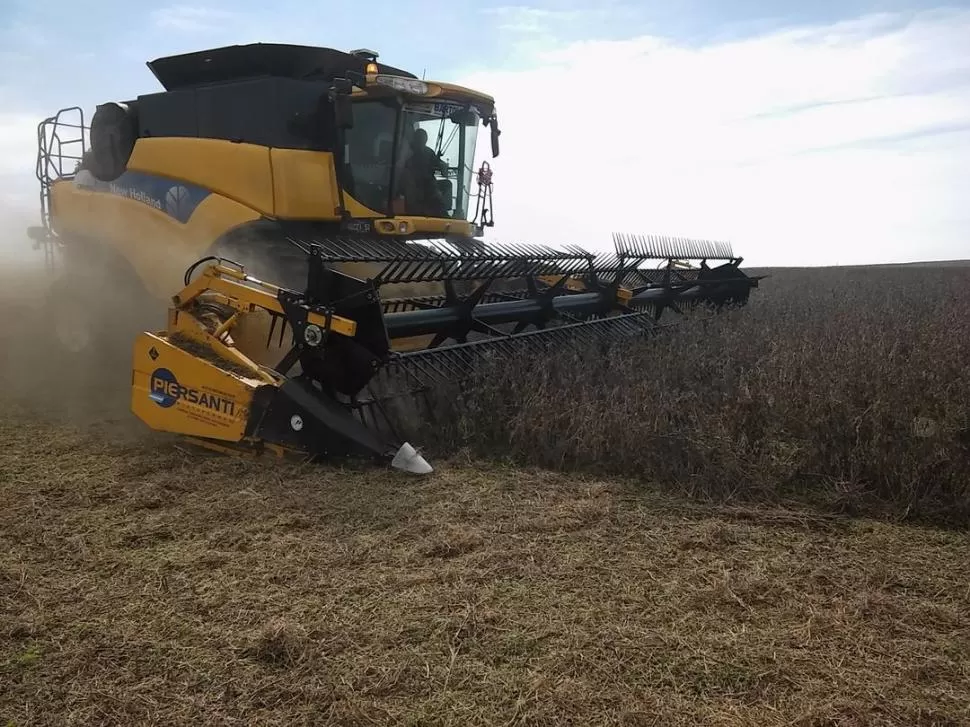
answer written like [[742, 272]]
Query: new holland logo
[[166, 391]]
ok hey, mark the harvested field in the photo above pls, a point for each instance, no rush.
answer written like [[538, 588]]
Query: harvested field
[[142, 582]]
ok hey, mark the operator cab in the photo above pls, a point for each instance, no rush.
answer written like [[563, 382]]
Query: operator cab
[[409, 145], [412, 158], [403, 148]]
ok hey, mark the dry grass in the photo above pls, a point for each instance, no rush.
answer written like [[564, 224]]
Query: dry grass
[[144, 584]]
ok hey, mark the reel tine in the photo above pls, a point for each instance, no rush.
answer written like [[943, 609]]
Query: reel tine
[[438, 259], [662, 247]]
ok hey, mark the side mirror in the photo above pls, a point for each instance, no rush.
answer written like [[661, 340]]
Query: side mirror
[[343, 111], [495, 135]]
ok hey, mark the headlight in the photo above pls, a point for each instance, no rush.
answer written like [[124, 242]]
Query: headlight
[[408, 85]]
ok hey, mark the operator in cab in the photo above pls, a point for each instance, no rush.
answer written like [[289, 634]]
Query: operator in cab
[[420, 186]]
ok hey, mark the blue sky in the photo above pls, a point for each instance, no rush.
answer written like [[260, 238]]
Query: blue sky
[[827, 132]]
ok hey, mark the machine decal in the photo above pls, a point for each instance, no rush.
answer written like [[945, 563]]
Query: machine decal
[[176, 199], [358, 225], [438, 108], [166, 391]]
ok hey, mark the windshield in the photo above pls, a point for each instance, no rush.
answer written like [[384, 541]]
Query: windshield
[[435, 154]]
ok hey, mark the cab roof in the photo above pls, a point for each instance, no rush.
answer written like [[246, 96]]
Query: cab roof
[[452, 88], [259, 60]]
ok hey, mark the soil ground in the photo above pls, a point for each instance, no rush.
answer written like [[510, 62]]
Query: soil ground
[[145, 583]]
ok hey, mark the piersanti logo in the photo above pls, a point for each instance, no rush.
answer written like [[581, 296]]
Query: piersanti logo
[[166, 391]]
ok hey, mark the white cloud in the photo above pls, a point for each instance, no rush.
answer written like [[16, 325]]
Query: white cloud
[[807, 145], [190, 18], [19, 186], [18, 142], [19, 189]]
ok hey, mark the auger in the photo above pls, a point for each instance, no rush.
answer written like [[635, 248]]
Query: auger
[[319, 200]]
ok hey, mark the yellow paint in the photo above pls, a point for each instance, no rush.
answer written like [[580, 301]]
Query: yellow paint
[[251, 333], [241, 172], [436, 89], [305, 185], [213, 404], [247, 182], [441, 89], [242, 297], [440, 225], [158, 247]]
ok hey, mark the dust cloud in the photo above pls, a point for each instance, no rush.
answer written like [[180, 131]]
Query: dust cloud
[[38, 375]]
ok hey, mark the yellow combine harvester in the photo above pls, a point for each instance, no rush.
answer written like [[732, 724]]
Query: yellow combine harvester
[[310, 209]]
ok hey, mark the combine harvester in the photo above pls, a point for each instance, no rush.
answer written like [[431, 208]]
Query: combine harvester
[[320, 201]]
